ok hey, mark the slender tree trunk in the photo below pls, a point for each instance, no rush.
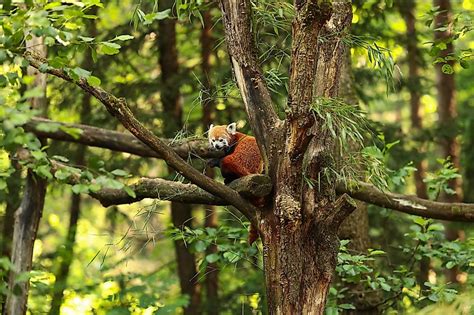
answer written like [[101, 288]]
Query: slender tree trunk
[[212, 271], [407, 10], [468, 152], [447, 112], [181, 214], [28, 215], [12, 203], [414, 87]]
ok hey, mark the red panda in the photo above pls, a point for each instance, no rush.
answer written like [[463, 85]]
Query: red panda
[[242, 158]]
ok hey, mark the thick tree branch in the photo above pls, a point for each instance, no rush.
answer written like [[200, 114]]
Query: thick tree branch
[[236, 15], [411, 204], [118, 107], [115, 140], [251, 186]]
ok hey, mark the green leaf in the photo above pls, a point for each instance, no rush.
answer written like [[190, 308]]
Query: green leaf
[[107, 49], [80, 188], [61, 158], [385, 287], [81, 72], [94, 187], [86, 39], [200, 246], [93, 81], [48, 127], [464, 63], [43, 68], [450, 264], [44, 171], [346, 306], [111, 45], [212, 258], [231, 257], [130, 192], [447, 69], [62, 174], [376, 253], [123, 37], [118, 172]]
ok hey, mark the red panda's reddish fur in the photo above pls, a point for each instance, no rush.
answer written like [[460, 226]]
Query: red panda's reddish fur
[[243, 158]]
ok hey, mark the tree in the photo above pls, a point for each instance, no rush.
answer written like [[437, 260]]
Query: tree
[[298, 225]]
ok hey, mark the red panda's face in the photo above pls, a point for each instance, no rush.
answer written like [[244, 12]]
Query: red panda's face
[[220, 137]]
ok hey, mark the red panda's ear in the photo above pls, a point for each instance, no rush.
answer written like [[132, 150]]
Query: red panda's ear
[[232, 128], [211, 126]]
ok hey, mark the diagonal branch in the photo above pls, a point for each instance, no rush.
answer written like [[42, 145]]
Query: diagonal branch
[[119, 108], [411, 204], [115, 140], [236, 15]]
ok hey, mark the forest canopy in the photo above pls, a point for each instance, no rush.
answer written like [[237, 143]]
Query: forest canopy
[[362, 114]]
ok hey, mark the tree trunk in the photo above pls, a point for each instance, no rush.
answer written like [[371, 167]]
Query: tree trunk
[[212, 271], [407, 10], [181, 214], [447, 113], [27, 219], [414, 86], [13, 201], [28, 215], [299, 230]]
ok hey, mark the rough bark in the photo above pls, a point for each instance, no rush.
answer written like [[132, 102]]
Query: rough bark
[[447, 112], [211, 282], [27, 219], [12, 203], [28, 215], [13, 200], [181, 214]]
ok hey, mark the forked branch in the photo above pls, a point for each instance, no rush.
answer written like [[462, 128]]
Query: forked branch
[[236, 15]]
